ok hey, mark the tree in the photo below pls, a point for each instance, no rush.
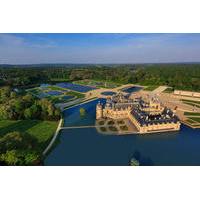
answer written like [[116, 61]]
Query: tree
[[82, 111], [134, 162], [13, 95], [28, 113], [31, 158], [3, 112], [10, 157]]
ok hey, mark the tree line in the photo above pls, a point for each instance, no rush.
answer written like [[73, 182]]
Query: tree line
[[178, 76]]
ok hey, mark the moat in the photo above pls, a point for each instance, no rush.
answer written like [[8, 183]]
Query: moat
[[86, 146]]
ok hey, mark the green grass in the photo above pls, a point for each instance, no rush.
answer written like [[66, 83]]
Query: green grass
[[111, 122], [192, 113], [77, 94], [103, 129], [101, 122], [169, 90], [190, 121], [59, 99], [191, 104], [151, 87], [121, 122], [196, 119], [59, 80], [124, 128], [191, 101], [53, 87], [40, 130], [112, 128], [35, 91]]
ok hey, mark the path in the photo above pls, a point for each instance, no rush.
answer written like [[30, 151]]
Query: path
[[54, 138]]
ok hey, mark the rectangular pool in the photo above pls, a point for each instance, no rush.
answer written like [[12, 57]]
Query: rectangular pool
[[76, 87]]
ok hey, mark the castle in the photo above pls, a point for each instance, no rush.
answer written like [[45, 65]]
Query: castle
[[147, 116]]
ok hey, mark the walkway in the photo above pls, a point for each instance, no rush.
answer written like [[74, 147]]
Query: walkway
[[54, 138]]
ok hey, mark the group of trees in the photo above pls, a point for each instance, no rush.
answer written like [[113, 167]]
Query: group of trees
[[16, 106], [18, 149]]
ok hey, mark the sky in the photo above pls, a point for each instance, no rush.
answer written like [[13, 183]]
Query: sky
[[98, 48]]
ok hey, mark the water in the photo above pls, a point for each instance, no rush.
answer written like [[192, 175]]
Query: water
[[88, 147], [66, 97], [132, 89], [108, 93], [76, 87], [54, 93]]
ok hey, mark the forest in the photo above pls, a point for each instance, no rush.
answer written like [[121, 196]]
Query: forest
[[178, 76]]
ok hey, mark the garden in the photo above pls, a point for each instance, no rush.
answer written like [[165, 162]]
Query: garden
[[54, 93]]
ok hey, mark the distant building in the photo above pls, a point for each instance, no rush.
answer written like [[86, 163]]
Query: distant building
[[147, 116]]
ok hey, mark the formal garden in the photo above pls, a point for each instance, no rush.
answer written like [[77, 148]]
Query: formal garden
[[55, 93]]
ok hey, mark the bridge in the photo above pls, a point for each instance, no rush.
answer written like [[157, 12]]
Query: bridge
[[73, 127]]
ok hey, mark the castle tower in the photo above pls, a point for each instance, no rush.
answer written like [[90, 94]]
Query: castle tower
[[99, 111]]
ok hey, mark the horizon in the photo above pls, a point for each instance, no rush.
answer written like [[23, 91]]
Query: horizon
[[99, 48], [54, 63]]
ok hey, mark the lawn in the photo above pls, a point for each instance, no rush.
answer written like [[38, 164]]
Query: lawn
[[169, 90], [56, 80], [40, 130], [35, 91], [196, 119], [77, 94], [190, 121], [190, 101], [192, 113], [151, 87]]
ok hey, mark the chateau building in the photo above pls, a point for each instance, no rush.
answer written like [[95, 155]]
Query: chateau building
[[147, 116]]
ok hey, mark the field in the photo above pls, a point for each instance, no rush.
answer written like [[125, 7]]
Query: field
[[42, 131]]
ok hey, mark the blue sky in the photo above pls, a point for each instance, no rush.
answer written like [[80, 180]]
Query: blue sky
[[98, 48]]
